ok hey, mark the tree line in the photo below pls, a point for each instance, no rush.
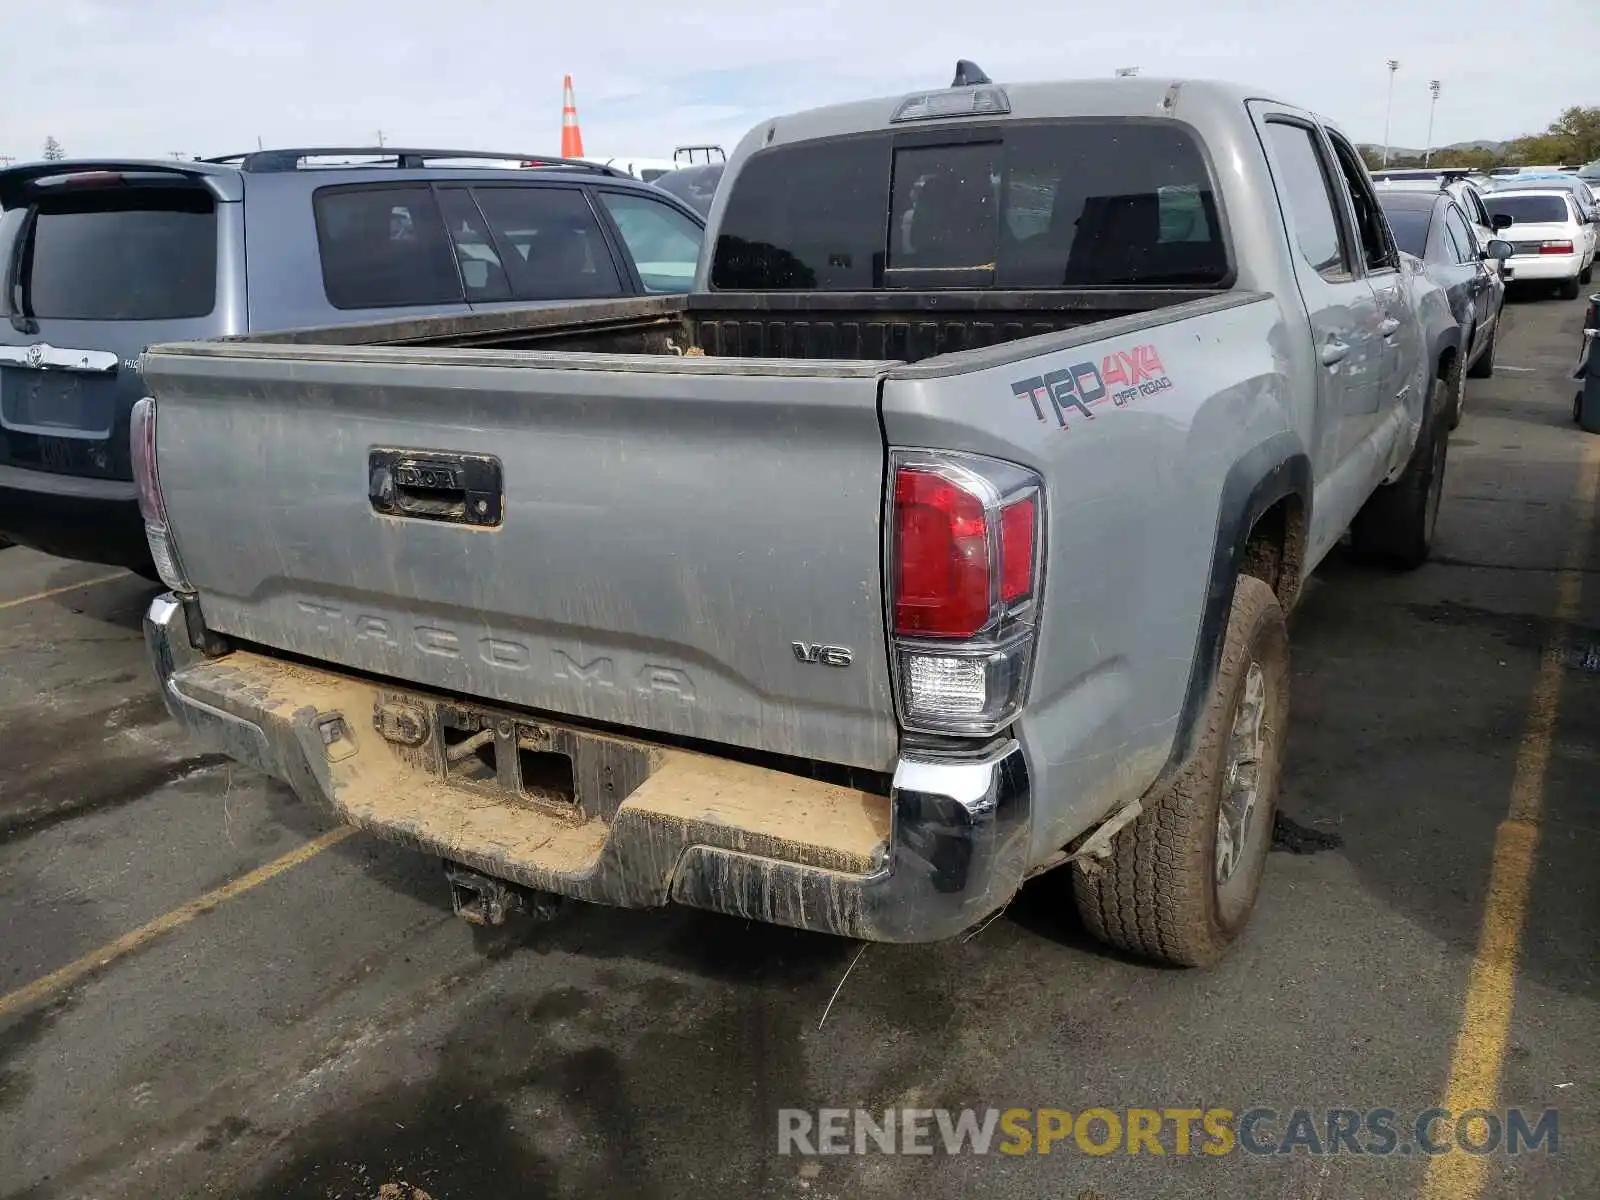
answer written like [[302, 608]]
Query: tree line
[[1572, 139]]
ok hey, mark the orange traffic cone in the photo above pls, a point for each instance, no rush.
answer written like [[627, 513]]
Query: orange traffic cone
[[571, 135]]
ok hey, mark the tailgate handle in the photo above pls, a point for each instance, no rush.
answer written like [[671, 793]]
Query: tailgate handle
[[436, 485]]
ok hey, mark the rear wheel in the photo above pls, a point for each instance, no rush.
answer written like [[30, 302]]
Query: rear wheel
[[1569, 289], [1182, 879], [1587, 275], [1395, 526]]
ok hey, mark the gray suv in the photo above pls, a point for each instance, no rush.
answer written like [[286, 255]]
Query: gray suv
[[104, 258]]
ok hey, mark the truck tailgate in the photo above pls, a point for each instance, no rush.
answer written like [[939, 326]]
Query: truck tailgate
[[671, 527]]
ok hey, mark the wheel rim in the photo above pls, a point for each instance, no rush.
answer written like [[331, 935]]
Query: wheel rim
[[1241, 781]]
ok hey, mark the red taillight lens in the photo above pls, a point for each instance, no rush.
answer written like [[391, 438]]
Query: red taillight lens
[[1556, 248], [1017, 523], [941, 556], [142, 438], [89, 179]]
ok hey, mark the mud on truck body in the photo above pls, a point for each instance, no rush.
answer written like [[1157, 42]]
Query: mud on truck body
[[943, 535]]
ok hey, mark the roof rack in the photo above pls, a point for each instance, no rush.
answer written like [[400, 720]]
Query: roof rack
[[258, 162], [689, 153]]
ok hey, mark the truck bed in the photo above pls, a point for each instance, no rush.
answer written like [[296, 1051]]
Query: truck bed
[[871, 326]]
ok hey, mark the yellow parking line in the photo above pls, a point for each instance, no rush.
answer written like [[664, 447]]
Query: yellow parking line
[[56, 591], [1491, 990], [129, 942]]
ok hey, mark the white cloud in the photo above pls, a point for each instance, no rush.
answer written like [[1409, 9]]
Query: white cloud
[[117, 78]]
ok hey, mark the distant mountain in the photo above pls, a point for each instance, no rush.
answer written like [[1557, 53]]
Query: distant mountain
[[1407, 152]]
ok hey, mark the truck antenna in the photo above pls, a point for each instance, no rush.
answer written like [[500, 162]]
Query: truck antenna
[[969, 74]]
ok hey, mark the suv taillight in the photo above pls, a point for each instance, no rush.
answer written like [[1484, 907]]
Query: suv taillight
[[152, 505], [965, 566]]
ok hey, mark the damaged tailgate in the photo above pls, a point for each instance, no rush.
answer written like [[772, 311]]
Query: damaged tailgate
[[656, 543]]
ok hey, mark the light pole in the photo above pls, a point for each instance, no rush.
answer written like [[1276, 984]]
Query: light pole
[[1433, 87], [1394, 65]]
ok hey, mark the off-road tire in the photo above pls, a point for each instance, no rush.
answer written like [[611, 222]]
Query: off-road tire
[[1157, 896], [1395, 526], [1568, 289], [1484, 367]]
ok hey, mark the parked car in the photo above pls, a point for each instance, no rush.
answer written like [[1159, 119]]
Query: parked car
[[1549, 237], [696, 186], [1542, 181], [925, 554], [1590, 173], [1434, 227], [1469, 196], [105, 257]]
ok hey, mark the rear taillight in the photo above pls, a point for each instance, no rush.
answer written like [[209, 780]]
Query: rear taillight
[[1555, 247], [964, 573], [152, 505]]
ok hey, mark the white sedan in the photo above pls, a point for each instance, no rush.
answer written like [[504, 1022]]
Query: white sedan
[[1550, 238]]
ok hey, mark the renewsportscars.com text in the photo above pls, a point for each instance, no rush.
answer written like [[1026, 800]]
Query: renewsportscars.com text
[[1178, 1131]]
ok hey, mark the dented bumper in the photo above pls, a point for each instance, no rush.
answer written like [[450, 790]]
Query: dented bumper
[[946, 847]]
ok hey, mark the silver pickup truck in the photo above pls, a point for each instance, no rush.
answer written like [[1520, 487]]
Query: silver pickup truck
[[943, 535]]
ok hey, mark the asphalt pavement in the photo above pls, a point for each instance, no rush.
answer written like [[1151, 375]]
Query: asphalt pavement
[[206, 990]]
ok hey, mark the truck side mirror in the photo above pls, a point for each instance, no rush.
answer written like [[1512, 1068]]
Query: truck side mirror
[[1502, 220]]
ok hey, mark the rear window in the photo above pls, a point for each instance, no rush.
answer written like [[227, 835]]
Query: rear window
[[1528, 210], [133, 254], [1056, 204], [1410, 227], [384, 247]]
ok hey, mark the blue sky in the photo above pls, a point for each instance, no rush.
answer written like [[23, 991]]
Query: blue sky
[[153, 77]]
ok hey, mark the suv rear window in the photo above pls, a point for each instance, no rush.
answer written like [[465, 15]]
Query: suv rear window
[[1036, 205], [1528, 210], [129, 254]]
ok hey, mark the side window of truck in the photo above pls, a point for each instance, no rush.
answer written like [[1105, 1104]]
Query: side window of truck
[[1308, 195], [550, 242], [1378, 250], [384, 247]]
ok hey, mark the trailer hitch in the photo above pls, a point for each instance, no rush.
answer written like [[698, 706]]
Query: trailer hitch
[[483, 900]]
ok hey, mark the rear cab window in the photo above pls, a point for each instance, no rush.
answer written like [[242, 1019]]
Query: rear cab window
[[126, 253], [1030, 205]]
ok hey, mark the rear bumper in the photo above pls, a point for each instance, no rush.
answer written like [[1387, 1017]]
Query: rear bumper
[[1546, 266], [947, 847], [91, 520]]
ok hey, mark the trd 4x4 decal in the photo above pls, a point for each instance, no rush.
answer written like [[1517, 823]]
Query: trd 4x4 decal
[[1121, 377]]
